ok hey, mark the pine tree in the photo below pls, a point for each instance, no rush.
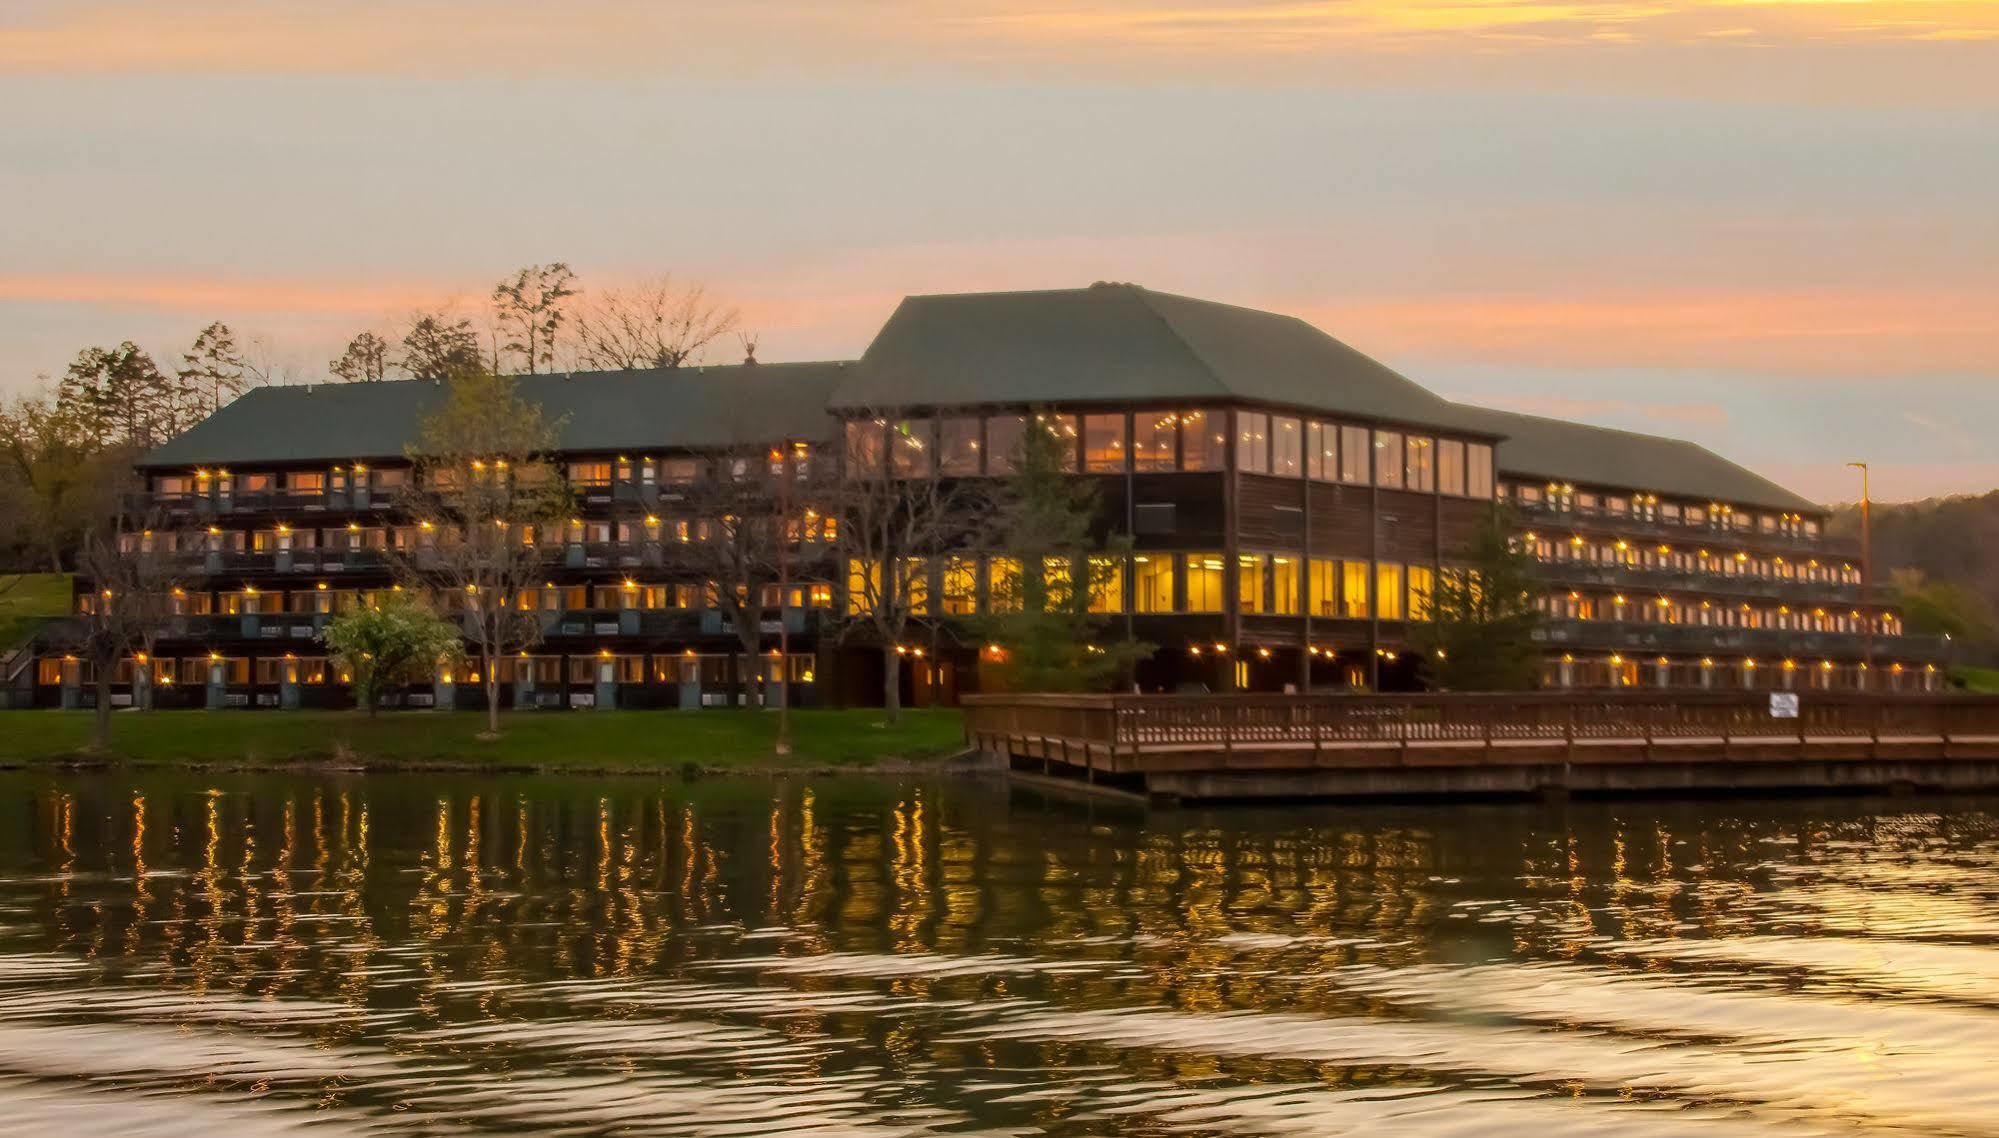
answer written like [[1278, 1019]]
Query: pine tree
[[1051, 573], [1480, 636], [121, 396], [366, 360], [211, 373], [438, 348]]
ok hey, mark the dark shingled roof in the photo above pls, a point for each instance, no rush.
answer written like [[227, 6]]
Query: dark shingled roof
[[1113, 343], [1601, 456], [603, 411]]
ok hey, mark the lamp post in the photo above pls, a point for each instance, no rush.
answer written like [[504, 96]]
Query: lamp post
[[1867, 616]]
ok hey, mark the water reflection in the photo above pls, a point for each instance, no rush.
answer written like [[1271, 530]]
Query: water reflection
[[410, 954]]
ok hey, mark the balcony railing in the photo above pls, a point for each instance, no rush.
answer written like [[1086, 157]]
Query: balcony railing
[[1547, 516], [1640, 638], [1643, 578]]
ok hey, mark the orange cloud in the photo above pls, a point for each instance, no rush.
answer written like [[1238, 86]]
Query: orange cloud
[[1825, 332], [1161, 39]]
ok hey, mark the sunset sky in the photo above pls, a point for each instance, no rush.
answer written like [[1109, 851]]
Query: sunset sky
[[1772, 227]]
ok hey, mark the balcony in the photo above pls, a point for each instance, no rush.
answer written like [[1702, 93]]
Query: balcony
[[1642, 579], [1644, 639], [1543, 515]]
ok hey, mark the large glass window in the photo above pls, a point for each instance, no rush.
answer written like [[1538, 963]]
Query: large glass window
[[915, 584], [1324, 579], [1388, 459], [1287, 447], [1322, 448], [1154, 440], [864, 447], [1058, 577], [1064, 428], [1354, 590], [1003, 585], [1355, 452], [1004, 434], [1388, 590], [1204, 581], [961, 586], [1422, 464], [1252, 442], [958, 445], [910, 444], [1202, 440], [1103, 443], [1478, 470], [1107, 584], [1252, 579], [1451, 467], [1422, 583], [864, 580], [1152, 582], [1284, 586]]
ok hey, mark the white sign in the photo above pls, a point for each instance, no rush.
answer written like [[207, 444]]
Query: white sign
[[1783, 705]]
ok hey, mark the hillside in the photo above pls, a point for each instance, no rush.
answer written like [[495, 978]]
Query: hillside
[[1948, 539]]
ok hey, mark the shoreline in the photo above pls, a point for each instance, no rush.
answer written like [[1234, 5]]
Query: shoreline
[[963, 764]]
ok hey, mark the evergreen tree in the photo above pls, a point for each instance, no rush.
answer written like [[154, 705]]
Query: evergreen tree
[[366, 360], [1051, 572], [1480, 636], [120, 395], [530, 308], [438, 348], [211, 373]]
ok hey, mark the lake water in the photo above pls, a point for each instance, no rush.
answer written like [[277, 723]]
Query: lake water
[[215, 955]]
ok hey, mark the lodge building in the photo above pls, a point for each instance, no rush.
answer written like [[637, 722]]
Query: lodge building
[[1288, 502]]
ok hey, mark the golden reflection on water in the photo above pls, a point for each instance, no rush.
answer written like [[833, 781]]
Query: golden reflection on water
[[521, 954]]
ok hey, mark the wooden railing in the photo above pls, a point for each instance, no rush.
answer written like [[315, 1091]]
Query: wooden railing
[[1125, 729]]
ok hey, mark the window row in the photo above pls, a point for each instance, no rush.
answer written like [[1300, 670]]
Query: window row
[[707, 669], [1561, 497], [1113, 442], [807, 526], [1667, 558], [1630, 609], [631, 595], [1265, 583]]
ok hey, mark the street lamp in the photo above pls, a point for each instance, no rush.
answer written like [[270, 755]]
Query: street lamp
[[1867, 617]]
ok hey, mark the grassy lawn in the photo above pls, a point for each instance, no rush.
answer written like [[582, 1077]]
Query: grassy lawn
[[1983, 681], [607, 740], [26, 600]]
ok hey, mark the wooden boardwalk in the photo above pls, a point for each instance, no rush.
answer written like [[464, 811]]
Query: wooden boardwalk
[[1339, 745]]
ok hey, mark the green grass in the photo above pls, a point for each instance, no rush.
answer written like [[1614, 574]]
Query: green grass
[[578, 740], [28, 599], [1983, 681]]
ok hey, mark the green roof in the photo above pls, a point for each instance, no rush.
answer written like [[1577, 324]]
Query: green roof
[[1109, 343], [1558, 450], [690, 408], [1119, 343]]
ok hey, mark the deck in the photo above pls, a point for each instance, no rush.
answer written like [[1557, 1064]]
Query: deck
[[1261, 746]]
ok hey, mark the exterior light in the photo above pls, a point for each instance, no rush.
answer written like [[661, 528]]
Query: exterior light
[[321, 586], [1264, 653]]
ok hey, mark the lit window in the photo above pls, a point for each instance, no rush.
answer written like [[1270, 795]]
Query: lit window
[[1354, 456], [1388, 590], [958, 445], [1287, 444], [864, 447], [961, 585], [1155, 440], [1004, 434], [909, 441], [1354, 590], [1003, 585], [1204, 582], [864, 579], [1202, 441], [1103, 443], [1388, 459], [1325, 582], [1422, 583], [1152, 582], [1451, 467], [1252, 576], [1322, 452], [1421, 466], [1252, 445], [1284, 586], [1106, 584]]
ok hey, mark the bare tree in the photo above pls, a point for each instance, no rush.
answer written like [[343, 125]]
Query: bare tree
[[133, 573], [736, 526], [654, 324], [897, 515], [366, 360], [484, 498], [529, 308]]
